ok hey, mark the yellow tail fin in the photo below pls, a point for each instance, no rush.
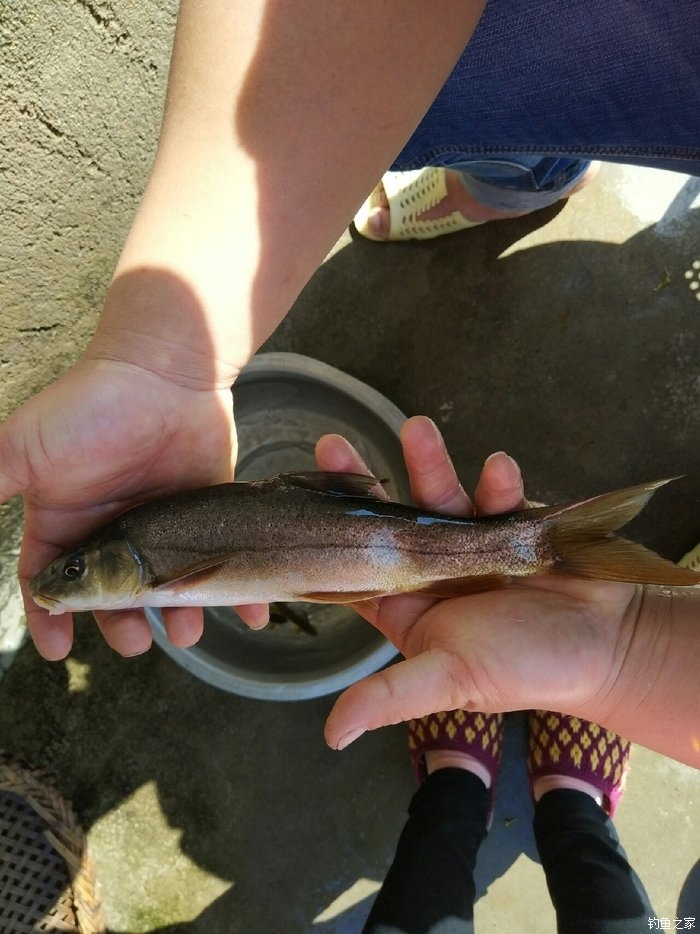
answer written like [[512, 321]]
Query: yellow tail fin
[[583, 538]]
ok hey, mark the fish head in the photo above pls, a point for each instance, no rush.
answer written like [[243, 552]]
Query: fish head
[[96, 575]]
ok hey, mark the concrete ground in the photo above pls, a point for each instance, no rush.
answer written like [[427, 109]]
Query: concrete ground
[[569, 338]]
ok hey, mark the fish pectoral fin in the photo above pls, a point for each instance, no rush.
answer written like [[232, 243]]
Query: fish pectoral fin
[[338, 484], [338, 596], [197, 576], [462, 586]]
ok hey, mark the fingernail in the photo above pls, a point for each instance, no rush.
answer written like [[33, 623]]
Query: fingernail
[[254, 615], [499, 454], [509, 464], [350, 737]]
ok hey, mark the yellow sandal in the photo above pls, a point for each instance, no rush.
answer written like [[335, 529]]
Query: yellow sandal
[[411, 194]]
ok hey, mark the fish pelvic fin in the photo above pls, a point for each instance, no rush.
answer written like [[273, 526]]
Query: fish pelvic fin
[[582, 536]]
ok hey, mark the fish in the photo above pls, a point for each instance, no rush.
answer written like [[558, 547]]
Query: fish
[[327, 538]]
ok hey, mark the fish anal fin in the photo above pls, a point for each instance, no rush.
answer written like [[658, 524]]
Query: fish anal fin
[[338, 484], [449, 587], [338, 596], [461, 586], [621, 560], [370, 605]]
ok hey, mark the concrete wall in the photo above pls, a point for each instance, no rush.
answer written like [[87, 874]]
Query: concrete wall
[[81, 94]]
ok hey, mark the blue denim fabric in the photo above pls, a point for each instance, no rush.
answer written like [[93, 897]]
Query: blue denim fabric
[[519, 182], [617, 81]]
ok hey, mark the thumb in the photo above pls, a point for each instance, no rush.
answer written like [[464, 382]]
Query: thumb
[[433, 680], [11, 480]]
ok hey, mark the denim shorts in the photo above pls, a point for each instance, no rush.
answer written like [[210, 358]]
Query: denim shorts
[[543, 88]]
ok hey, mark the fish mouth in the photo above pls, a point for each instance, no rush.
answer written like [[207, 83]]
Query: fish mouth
[[46, 602]]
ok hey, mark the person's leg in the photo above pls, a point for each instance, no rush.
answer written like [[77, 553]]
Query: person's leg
[[593, 888], [618, 82], [430, 881], [523, 183], [577, 772]]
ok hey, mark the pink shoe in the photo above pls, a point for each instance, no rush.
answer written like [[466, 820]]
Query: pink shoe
[[478, 734], [563, 745]]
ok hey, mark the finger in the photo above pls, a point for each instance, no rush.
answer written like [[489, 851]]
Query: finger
[[52, 635], [434, 483], [184, 625], [8, 488], [396, 615], [13, 473], [335, 453], [393, 616], [254, 615], [500, 486], [126, 631], [433, 479], [434, 680]]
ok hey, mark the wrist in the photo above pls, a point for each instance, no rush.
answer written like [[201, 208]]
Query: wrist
[[652, 697], [188, 300], [154, 320], [623, 646]]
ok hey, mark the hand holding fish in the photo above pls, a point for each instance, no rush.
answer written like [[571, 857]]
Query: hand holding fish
[[577, 645], [617, 653], [106, 435]]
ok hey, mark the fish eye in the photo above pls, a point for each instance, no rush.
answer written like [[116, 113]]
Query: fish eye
[[74, 568]]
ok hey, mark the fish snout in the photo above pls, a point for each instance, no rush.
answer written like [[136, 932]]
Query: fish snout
[[42, 587]]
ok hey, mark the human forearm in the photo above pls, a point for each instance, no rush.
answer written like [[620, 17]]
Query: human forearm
[[279, 119]]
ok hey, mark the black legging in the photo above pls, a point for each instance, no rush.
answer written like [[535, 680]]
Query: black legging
[[431, 880]]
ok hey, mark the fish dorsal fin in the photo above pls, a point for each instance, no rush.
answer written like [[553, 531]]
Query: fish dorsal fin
[[337, 484]]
